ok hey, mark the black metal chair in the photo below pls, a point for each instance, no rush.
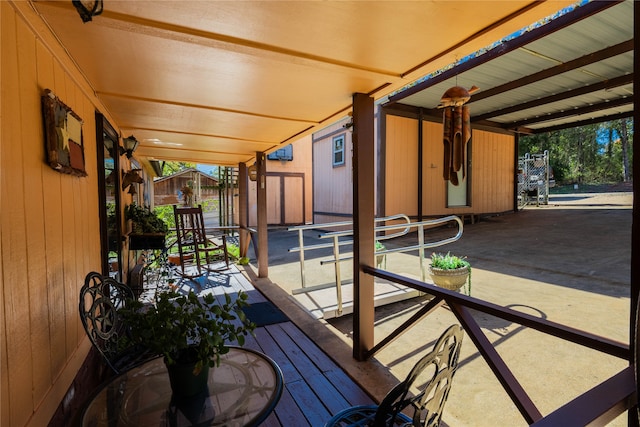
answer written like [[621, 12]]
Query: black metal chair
[[437, 369], [199, 252], [100, 299]]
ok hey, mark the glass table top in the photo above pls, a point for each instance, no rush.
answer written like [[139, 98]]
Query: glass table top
[[242, 391]]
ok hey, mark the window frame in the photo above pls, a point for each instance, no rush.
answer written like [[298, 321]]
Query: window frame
[[340, 151]]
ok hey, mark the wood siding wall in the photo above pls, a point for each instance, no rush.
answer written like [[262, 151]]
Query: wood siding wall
[[289, 188], [49, 226], [333, 186], [491, 171]]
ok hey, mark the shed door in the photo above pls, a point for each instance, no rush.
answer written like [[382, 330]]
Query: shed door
[[285, 203]]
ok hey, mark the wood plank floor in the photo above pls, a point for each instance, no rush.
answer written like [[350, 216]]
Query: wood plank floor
[[315, 387]]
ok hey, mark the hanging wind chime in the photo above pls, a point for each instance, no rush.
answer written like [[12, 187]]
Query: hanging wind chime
[[457, 131]]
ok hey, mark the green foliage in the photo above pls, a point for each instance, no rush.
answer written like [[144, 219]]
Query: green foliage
[[593, 154], [448, 261], [451, 262], [172, 167], [233, 250], [144, 220], [186, 328], [165, 213]]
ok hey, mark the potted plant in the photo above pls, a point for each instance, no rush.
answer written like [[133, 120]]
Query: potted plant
[[379, 247], [148, 230], [450, 271], [190, 332]]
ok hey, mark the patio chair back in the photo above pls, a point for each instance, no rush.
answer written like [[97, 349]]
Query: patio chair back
[[435, 370], [100, 299]]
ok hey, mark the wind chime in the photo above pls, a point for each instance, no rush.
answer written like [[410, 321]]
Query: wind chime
[[457, 131]]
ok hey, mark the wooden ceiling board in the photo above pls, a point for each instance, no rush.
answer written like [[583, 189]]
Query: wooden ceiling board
[[265, 72]]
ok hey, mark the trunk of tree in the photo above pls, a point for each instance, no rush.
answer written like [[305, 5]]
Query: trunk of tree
[[624, 141]]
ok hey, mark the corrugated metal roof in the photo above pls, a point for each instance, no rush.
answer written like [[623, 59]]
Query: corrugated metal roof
[[586, 37]]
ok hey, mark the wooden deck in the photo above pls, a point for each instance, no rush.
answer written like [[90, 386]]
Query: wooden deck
[[315, 387]]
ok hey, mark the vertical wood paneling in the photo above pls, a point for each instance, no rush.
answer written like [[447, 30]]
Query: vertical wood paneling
[[5, 419], [49, 225], [333, 186], [53, 236], [273, 204], [32, 154], [293, 195], [433, 184], [491, 173], [401, 166], [13, 232]]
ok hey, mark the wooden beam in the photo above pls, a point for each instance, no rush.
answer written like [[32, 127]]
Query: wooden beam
[[363, 223], [583, 61], [582, 90], [261, 197], [243, 208], [508, 46]]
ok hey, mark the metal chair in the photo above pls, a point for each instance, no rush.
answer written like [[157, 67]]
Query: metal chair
[[437, 368], [100, 299], [199, 252]]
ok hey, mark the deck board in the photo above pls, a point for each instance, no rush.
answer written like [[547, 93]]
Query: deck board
[[315, 387]]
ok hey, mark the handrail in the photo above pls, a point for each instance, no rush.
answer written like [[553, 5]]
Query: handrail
[[404, 229], [622, 384], [301, 248]]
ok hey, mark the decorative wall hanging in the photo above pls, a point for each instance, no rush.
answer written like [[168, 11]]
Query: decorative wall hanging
[[457, 131], [131, 177], [63, 136]]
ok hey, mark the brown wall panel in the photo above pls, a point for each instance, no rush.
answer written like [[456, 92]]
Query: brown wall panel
[[401, 166], [49, 225]]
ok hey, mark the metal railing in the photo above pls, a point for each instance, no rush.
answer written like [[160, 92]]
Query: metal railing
[[397, 230], [596, 406]]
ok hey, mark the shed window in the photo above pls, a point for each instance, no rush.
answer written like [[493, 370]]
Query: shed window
[[338, 150]]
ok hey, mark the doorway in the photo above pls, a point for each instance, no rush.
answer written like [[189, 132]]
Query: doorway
[[109, 198]]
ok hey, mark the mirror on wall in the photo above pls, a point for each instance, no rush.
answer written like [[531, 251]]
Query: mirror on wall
[[109, 198]]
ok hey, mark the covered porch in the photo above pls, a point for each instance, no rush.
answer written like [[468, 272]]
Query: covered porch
[[152, 69]]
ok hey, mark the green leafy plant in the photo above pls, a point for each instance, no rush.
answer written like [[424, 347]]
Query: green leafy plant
[[448, 261], [451, 262], [188, 328], [382, 257], [144, 220]]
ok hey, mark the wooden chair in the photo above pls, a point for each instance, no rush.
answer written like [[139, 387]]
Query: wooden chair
[[100, 299], [199, 252], [437, 368]]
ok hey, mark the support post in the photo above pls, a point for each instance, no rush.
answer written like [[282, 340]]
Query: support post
[[363, 223], [634, 337], [261, 198], [243, 209]]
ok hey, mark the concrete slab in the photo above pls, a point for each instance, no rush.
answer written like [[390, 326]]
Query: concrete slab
[[568, 262]]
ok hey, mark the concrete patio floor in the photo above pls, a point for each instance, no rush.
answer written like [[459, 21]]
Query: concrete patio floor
[[568, 262]]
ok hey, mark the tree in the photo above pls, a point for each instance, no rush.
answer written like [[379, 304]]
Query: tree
[[172, 167], [594, 153]]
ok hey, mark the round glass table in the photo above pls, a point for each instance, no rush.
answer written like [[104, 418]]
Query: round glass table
[[242, 391]]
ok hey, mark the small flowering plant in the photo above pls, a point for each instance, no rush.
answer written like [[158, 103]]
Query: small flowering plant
[[448, 262]]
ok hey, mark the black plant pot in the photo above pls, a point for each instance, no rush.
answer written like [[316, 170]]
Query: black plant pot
[[183, 382], [146, 241]]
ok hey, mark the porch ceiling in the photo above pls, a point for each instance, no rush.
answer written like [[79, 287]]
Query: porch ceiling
[[578, 69], [214, 82]]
